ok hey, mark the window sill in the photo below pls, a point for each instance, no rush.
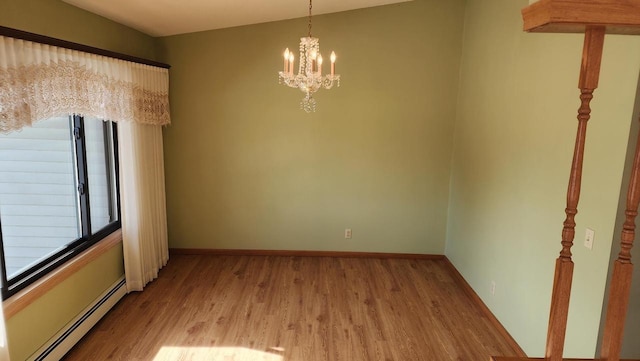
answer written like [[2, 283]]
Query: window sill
[[24, 298]]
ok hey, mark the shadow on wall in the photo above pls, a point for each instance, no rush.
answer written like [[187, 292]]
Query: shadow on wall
[[630, 347]]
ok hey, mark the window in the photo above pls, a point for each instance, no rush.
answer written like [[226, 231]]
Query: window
[[58, 195]]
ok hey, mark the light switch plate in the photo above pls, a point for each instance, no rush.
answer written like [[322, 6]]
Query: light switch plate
[[589, 236]]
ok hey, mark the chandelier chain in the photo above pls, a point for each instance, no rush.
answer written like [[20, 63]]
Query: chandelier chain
[[310, 6]]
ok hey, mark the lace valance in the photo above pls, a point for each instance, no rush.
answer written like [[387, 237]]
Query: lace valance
[[39, 81]]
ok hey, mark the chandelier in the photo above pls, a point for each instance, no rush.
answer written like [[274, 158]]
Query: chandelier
[[309, 78]]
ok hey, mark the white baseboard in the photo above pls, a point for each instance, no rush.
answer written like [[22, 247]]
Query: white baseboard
[[64, 340]]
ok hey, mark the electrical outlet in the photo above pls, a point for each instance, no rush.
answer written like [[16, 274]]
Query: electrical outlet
[[493, 288], [347, 233], [589, 236]]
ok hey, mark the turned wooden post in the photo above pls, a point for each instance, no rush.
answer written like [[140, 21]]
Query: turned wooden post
[[622, 271], [592, 18], [589, 74]]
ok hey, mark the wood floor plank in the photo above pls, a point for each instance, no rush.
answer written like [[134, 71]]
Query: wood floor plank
[[276, 308]]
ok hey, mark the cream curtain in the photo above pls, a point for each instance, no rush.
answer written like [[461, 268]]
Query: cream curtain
[[142, 194], [4, 350], [39, 81]]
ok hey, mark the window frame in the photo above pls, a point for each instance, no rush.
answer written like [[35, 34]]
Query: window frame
[[75, 247]]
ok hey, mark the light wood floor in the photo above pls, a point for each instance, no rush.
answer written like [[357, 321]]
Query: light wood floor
[[295, 309]]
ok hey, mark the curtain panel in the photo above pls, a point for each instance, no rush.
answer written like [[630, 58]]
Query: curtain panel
[[39, 81], [143, 204]]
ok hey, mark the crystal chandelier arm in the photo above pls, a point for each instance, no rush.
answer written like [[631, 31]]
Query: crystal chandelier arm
[[329, 80]]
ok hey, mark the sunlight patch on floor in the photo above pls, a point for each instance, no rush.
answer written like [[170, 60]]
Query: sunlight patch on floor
[[172, 353]]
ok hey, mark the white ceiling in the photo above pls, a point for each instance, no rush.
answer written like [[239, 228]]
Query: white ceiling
[[170, 17]]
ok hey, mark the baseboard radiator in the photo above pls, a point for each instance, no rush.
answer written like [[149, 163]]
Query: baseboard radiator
[[64, 340]]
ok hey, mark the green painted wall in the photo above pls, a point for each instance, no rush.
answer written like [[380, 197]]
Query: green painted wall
[[247, 169], [32, 327], [59, 20], [512, 152], [242, 159]]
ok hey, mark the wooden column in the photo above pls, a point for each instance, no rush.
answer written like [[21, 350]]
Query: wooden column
[[622, 271], [591, 17], [589, 74]]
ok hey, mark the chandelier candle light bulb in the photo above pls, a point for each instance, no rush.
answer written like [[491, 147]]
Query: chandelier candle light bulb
[[286, 60], [333, 63], [309, 78], [291, 63]]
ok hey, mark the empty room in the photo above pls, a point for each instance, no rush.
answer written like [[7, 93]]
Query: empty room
[[319, 180]]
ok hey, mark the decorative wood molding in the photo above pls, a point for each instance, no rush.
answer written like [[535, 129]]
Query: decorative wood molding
[[42, 39], [295, 253], [517, 350], [573, 16], [27, 296]]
